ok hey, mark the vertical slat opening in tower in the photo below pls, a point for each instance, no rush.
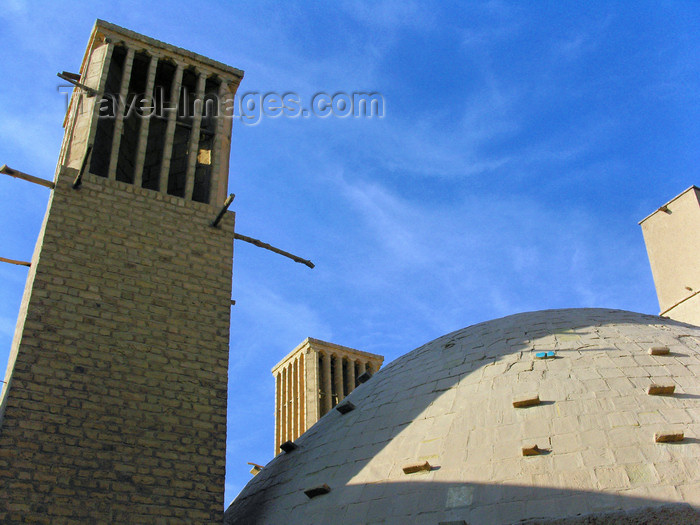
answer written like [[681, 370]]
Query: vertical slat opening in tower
[[323, 393], [159, 123], [346, 377], [290, 402], [133, 117], [334, 390], [108, 107], [285, 429], [319, 375], [339, 379], [177, 177], [302, 397], [351, 375], [278, 412], [207, 130]]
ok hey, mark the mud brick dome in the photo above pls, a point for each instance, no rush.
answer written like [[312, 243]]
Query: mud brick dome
[[445, 414]]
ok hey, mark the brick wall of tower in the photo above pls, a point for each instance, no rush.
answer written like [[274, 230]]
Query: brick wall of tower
[[116, 407]]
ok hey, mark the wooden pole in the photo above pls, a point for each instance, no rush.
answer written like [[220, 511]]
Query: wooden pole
[[266, 246], [12, 261], [25, 176], [69, 78], [221, 214]]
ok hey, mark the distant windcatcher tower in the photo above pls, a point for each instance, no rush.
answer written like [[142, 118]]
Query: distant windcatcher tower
[[311, 380], [672, 237], [114, 408]]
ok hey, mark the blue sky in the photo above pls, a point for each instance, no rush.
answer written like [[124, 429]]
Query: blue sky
[[520, 145]]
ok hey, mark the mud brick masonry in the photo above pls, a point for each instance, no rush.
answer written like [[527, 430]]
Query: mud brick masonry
[[115, 405]]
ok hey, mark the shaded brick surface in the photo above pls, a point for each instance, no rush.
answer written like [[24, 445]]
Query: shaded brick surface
[[116, 410]]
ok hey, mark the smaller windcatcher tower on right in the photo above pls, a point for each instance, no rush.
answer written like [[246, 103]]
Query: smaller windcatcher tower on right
[[672, 238], [311, 380]]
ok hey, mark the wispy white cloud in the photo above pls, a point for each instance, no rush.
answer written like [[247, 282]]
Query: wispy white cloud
[[391, 15], [492, 23], [583, 40], [22, 135], [395, 226], [284, 321], [489, 253], [16, 7]]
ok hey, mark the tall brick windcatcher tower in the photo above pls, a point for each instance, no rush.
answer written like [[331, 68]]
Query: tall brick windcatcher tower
[[114, 409]]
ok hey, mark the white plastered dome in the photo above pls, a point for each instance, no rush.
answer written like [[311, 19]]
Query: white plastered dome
[[450, 403]]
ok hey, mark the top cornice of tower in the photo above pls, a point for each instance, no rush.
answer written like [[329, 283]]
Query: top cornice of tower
[[316, 345], [106, 30]]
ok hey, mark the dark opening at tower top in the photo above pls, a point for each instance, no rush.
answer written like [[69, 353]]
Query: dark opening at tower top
[[157, 120]]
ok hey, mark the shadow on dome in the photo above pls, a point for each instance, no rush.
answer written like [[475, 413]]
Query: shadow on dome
[[455, 503]]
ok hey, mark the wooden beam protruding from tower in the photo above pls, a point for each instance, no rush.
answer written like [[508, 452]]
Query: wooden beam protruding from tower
[[6, 170]]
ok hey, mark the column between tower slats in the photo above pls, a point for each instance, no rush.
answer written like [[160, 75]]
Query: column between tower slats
[[218, 139], [351, 374], [299, 399], [100, 88], [293, 399], [283, 412], [361, 368], [119, 123], [278, 412], [170, 129], [302, 396], [145, 124], [193, 147], [290, 408]]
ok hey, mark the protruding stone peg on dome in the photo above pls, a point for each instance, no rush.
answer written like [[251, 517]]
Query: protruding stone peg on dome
[[416, 467], [661, 390], [534, 450], [526, 401], [668, 437], [288, 446], [345, 407], [255, 470], [659, 350], [317, 491], [364, 378], [549, 354]]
